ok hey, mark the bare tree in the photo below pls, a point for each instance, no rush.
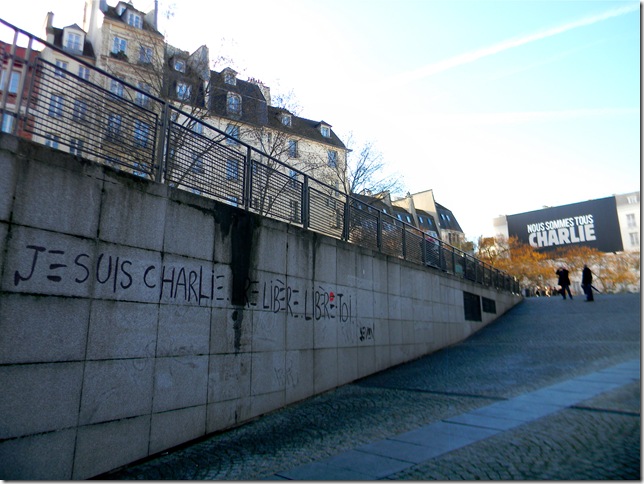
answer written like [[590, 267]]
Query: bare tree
[[365, 171]]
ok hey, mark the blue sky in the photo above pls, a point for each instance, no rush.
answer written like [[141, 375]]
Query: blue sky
[[498, 106]]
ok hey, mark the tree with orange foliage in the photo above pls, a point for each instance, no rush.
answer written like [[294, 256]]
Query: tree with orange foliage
[[614, 272], [521, 260]]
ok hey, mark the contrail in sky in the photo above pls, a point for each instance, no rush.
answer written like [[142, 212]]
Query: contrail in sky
[[431, 69]]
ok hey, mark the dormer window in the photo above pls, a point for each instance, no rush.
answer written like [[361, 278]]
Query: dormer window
[[134, 20], [233, 104], [179, 65], [73, 41], [230, 78], [286, 120], [326, 131]]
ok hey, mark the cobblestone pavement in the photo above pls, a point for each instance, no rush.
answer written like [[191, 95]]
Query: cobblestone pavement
[[540, 342]]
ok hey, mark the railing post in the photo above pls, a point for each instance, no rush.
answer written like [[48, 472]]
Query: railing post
[[306, 203], [379, 230], [346, 218], [160, 155], [404, 242], [248, 179]]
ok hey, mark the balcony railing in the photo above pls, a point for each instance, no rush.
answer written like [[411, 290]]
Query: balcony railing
[[101, 118]]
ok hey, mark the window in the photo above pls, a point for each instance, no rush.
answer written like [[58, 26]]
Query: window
[[229, 78], [295, 210], [232, 169], [286, 120], [113, 126], [630, 220], [632, 199], [333, 158], [197, 128], [399, 217], [8, 121], [119, 45], [233, 131], [134, 20], [293, 179], [116, 87], [183, 91], [61, 67], [292, 148], [56, 104], [141, 134], [13, 81], [420, 219], [141, 98], [197, 164], [83, 72], [145, 54], [80, 110], [635, 240], [179, 65], [74, 42], [234, 104], [326, 131], [76, 146], [52, 140]]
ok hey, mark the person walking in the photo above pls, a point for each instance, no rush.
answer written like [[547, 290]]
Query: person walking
[[564, 281], [587, 283]]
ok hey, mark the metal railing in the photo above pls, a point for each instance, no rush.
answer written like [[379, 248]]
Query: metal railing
[[98, 116]]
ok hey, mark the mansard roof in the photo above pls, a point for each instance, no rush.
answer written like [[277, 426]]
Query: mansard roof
[[306, 128], [446, 219], [112, 13], [253, 103], [88, 48], [428, 222]]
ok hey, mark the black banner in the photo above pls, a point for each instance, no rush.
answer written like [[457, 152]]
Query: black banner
[[593, 224]]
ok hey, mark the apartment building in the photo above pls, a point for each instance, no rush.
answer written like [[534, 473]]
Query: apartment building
[[64, 99], [128, 46], [431, 217], [419, 210], [14, 85]]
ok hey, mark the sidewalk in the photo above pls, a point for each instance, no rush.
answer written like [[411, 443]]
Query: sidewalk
[[549, 391]]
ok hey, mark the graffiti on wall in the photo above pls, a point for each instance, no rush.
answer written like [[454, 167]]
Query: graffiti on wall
[[184, 284]]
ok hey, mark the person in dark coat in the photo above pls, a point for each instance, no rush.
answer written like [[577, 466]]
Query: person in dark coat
[[587, 283], [564, 281]]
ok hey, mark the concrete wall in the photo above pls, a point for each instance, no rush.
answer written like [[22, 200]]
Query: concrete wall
[[135, 317]]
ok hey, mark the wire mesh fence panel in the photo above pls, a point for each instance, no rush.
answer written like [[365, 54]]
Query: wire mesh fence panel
[[70, 113], [391, 236], [274, 193], [480, 271], [432, 252], [414, 241], [469, 266], [447, 258], [326, 212], [204, 165], [363, 225], [459, 264]]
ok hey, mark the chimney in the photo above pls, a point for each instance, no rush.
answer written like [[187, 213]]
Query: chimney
[[49, 27]]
